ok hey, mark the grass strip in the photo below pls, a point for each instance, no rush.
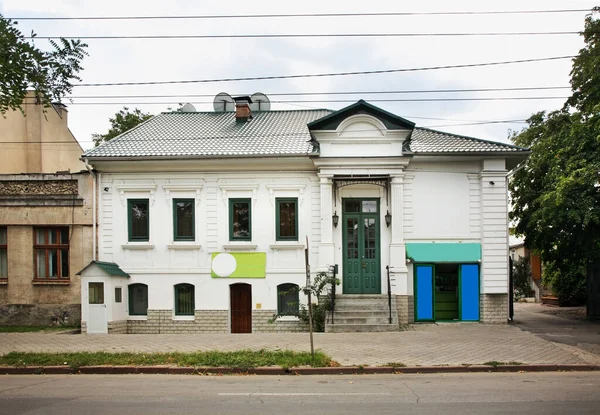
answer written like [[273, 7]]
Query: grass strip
[[243, 359], [27, 329]]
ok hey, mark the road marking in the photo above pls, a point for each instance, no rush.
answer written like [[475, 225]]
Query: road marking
[[301, 394]]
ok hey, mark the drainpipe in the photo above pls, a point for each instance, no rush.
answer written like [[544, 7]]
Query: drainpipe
[[89, 168]]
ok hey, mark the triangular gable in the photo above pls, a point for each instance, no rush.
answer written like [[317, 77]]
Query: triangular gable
[[333, 120]]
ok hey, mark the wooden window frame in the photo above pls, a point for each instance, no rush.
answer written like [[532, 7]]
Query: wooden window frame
[[176, 308], [278, 202], [130, 236], [231, 203], [130, 299], [4, 249], [48, 247], [281, 310], [176, 237]]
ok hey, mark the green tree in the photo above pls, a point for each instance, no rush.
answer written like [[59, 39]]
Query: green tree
[[122, 121], [556, 193], [23, 66]]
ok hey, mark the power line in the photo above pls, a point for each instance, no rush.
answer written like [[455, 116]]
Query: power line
[[334, 100], [302, 15], [305, 35], [261, 78], [415, 91]]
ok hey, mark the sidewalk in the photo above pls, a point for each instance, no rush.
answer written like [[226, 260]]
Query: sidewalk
[[425, 345]]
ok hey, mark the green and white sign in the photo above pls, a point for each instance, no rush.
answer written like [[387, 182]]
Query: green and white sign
[[239, 265]]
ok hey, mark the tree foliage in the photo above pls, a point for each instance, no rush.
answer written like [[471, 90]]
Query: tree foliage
[[556, 193], [122, 121], [23, 66]]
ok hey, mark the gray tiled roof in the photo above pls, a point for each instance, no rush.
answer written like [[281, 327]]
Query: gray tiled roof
[[215, 134], [424, 140]]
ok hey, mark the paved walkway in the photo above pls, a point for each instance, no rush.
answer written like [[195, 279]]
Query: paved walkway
[[430, 344]]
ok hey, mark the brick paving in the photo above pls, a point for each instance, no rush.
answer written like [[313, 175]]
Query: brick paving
[[430, 344]]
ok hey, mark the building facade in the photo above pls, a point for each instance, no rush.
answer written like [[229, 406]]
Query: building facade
[[209, 213], [45, 218]]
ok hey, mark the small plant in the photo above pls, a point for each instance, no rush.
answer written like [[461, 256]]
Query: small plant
[[322, 281], [396, 364]]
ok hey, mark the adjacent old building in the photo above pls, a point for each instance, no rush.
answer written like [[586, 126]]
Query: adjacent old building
[[46, 229], [204, 218]]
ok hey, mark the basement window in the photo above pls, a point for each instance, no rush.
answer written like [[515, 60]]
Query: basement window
[[3, 253]]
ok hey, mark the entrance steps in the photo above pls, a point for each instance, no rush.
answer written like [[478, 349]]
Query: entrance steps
[[362, 313]]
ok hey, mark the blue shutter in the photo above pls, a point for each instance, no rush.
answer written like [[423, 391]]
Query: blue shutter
[[424, 292], [469, 292]]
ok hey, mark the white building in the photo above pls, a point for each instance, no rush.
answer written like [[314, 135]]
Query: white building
[[206, 215]]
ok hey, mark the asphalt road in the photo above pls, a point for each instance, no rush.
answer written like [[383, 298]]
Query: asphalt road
[[496, 393]]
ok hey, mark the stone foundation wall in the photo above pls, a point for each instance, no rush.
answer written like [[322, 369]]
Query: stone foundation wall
[[117, 327], [405, 306], [40, 314], [263, 322], [208, 321], [493, 308]]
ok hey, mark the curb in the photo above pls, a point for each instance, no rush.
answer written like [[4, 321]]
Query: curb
[[278, 371]]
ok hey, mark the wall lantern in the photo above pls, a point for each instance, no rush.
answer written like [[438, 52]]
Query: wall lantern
[[388, 219], [335, 218]]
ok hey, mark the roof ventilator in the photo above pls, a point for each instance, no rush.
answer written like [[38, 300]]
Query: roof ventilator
[[242, 108]]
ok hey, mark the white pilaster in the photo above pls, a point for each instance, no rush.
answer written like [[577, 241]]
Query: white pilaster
[[398, 270], [326, 248]]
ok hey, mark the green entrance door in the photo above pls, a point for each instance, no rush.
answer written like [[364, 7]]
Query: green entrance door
[[361, 246]]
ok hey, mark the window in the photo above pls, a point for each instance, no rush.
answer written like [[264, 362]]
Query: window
[[288, 301], [51, 249], [3, 253], [184, 300], [96, 293], [286, 212], [138, 300], [240, 219], [139, 220], [183, 219], [118, 295]]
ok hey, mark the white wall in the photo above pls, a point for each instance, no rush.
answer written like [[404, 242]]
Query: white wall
[[162, 263]]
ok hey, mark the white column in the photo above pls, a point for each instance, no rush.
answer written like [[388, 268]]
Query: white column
[[398, 270], [326, 248]]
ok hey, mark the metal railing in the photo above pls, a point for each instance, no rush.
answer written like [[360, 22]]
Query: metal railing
[[334, 269], [389, 293]]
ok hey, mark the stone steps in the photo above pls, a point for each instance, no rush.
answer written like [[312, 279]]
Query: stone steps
[[362, 313]]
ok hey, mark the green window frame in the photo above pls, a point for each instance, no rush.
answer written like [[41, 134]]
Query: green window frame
[[138, 299], [240, 219], [138, 220], [286, 219], [184, 220], [3, 252], [288, 300], [185, 302]]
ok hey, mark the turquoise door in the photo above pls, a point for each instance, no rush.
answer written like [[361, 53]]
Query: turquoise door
[[424, 292], [361, 247]]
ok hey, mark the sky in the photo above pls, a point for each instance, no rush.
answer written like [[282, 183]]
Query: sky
[[147, 60]]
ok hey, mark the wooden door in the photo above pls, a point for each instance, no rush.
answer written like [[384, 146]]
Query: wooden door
[[241, 308], [361, 247]]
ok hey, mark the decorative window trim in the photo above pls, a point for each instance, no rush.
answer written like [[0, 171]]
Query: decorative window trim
[[184, 245], [299, 188], [369, 119], [182, 187], [283, 246], [150, 188], [138, 246], [240, 246], [238, 188]]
